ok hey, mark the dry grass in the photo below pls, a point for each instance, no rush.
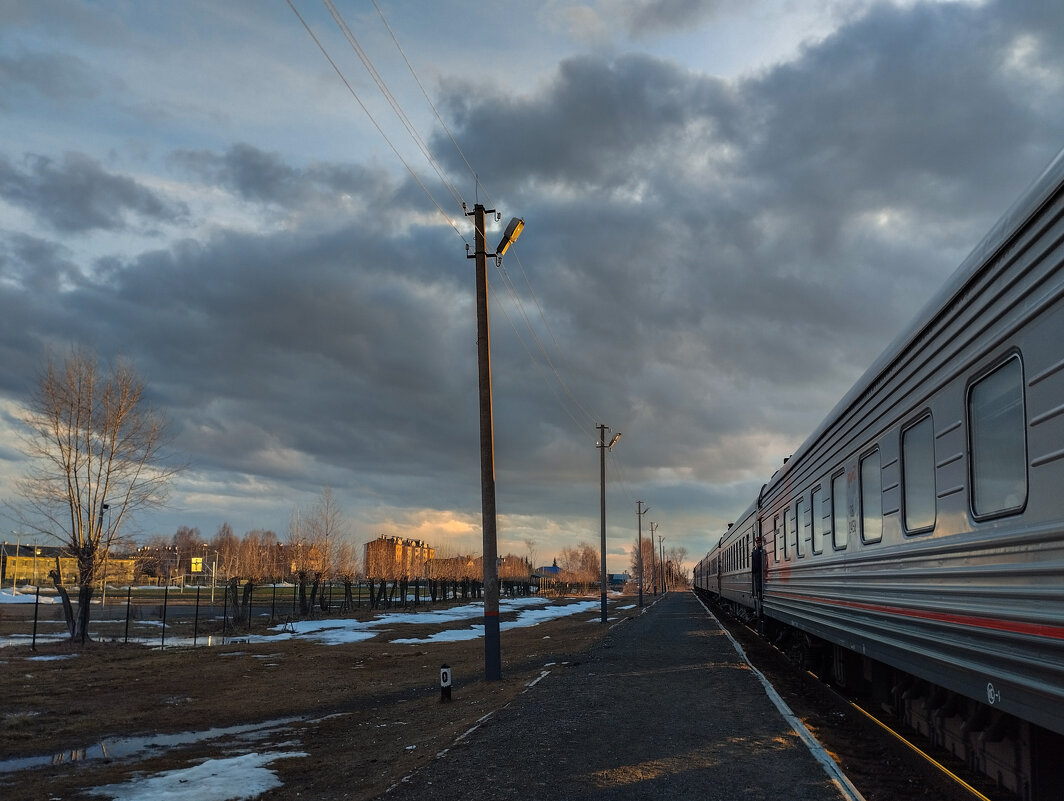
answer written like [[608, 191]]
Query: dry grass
[[365, 713]]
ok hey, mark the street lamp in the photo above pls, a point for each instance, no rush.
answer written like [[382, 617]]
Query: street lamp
[[603, 447], [661, 563], [492, 648], [653, 565], [639, 512]]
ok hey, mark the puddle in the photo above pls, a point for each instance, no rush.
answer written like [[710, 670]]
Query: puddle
[[126, 748]]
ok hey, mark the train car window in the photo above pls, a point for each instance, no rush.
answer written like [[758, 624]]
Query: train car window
[[871, 498], [816, 511], [840, 524], [998, 446], [797, 522], [776, 537], [788, 524], [918, 476]]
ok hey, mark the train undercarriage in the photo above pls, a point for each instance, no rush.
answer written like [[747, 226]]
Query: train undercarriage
[[1020, 757]]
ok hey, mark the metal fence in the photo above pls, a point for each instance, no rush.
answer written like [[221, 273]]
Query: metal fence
[[206, 615]]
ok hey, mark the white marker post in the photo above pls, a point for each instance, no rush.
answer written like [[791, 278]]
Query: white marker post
[[445, 683]]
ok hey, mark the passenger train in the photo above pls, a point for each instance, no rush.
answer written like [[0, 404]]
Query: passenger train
[[914, 543]]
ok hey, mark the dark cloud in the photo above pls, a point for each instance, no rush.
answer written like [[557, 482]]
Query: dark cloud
[[56, 76], [753, 245], [39, 265], [77, 194], [648, 17], [599, 125], [715, 263]]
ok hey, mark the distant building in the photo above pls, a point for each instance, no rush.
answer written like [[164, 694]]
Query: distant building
[[514, 568], [397, 557], [30, 564], [618, 581], [455, 568], [547, 579]]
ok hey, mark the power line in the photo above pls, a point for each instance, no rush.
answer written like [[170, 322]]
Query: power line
[[392, 101], [376, 125], [528, 284], [430, 157], [432, 105], [545, 379]]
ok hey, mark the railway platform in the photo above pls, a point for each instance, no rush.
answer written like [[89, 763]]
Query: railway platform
[[665, 707]]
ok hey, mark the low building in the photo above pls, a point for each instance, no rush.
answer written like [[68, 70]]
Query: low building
[[31, 564]]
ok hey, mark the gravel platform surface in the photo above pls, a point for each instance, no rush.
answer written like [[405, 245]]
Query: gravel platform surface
[[663, 708]]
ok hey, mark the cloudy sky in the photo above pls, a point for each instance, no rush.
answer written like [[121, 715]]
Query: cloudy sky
[[731, 209]]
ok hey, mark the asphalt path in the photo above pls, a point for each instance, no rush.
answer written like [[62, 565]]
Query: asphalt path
[[665, 707]]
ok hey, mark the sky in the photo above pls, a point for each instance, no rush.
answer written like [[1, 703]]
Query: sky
[[730, 210]]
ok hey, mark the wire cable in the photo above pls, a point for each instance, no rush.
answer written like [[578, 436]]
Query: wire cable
[[433, 161], [392, 101], [376, 125], [432, 105], [516, 296], [502, 307]]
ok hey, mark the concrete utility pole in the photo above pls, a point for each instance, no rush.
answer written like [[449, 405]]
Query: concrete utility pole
[[492, 645], [603, 447], [639, 512], [661, 563], [653, 566]]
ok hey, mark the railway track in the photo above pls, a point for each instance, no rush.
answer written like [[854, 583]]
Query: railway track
[[883, 760]]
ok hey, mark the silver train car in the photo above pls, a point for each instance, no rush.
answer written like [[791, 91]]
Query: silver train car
[[915, 542]]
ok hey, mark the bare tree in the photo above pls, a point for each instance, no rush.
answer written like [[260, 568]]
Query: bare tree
[[326, 526], [346, 570], [580, 565], [675, 558], [94, 447], [226, 544], [647, 562]]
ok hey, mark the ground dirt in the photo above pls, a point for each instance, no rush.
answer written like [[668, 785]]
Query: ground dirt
[[365, 714]]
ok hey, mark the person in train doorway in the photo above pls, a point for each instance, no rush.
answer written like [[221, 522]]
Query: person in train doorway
[[757, 572]]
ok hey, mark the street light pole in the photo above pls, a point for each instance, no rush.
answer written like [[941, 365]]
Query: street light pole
[[661, 563], [639, 512], [653, 566], [492, 645], [603, 447]]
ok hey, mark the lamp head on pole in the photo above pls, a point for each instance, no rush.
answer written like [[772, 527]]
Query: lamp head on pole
[[613, 441], [513, 230]]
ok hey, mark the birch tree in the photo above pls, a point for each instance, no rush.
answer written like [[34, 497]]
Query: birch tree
[[95, 453]]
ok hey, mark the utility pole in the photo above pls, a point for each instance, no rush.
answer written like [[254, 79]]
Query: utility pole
[[661, 563], [492, 644], [603, 447], [653, 566], [492, 650], [639, 512]]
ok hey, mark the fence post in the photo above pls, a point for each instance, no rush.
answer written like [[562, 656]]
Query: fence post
[[129, 601], [225, 610], [195, 625], [166, 596], [273, 604], [36, 606]]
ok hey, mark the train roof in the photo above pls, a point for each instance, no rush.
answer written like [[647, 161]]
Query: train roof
[[1037, 194]]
